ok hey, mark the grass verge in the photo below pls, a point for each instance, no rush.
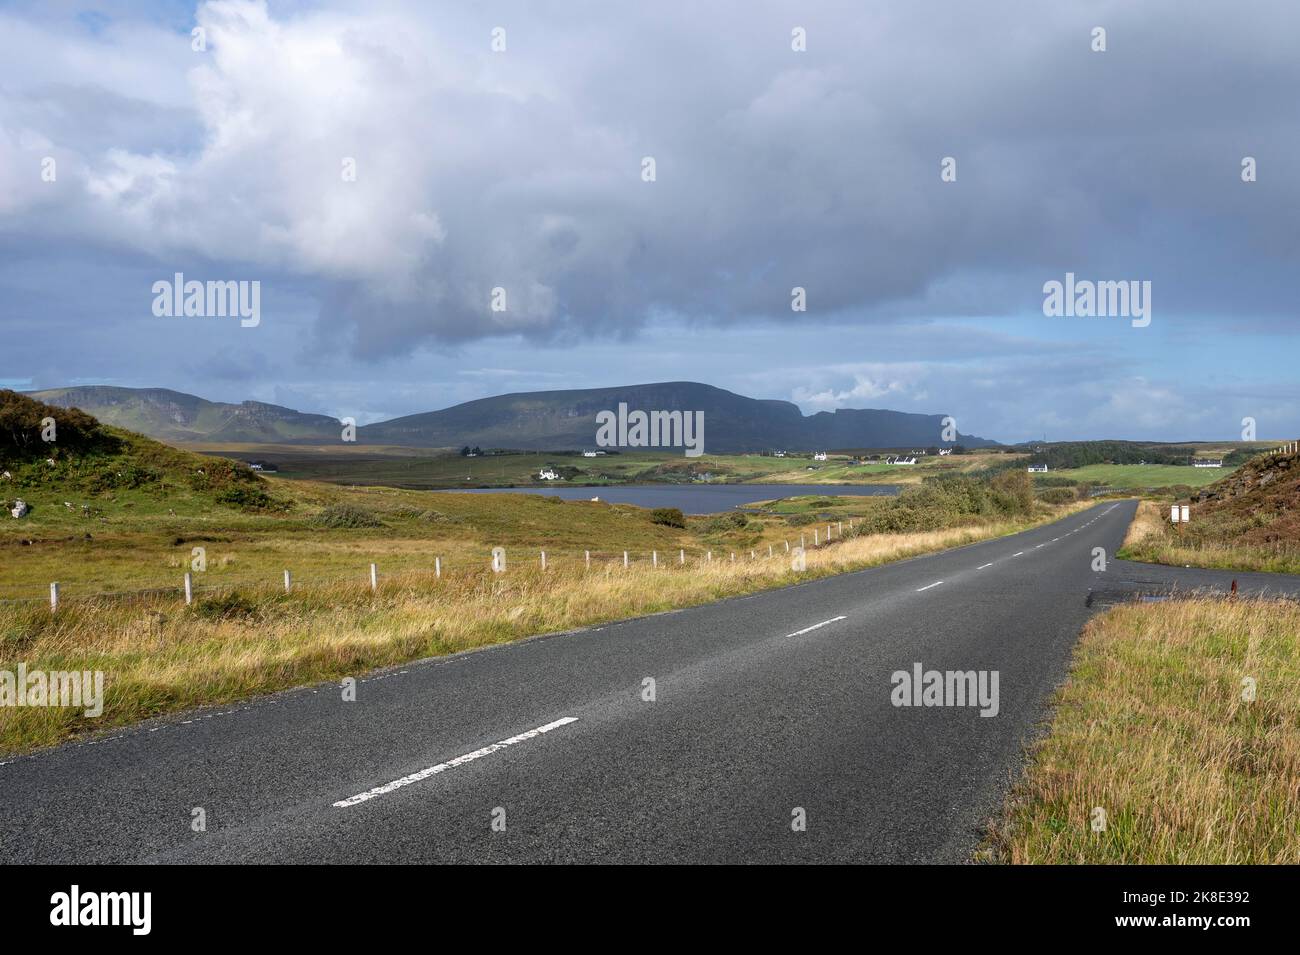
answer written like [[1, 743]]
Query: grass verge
[[1152, 729]]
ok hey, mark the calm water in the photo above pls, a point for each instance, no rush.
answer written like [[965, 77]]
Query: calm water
[[694, 498]]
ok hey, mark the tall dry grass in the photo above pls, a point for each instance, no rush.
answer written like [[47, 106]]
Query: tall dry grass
[[1152, 728], [160, 656]]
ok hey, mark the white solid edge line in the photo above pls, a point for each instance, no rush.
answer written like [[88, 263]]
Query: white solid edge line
[[451, 764], [928, 586], [800, 633]]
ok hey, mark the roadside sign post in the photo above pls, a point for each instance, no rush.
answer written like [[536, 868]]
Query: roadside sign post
[[1180, 515]]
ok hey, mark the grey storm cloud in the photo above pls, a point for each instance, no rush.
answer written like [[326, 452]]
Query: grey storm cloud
[[521, 169]]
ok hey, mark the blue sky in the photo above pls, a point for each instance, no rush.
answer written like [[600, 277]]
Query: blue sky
[[521, 169]]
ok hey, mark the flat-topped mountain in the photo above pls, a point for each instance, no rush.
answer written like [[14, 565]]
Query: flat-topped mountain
[[536, 420]]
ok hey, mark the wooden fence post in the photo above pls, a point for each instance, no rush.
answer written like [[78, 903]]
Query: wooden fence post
[[286, 581], [54, 596], [189, 589], [374, 577]]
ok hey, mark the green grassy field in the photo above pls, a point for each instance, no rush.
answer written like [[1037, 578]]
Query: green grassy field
[[1144, 475], [421, 468], [138, 541]]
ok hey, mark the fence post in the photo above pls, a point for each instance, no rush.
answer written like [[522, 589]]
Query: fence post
[[624, 558], [787, 547], [681, 556], [543, 560], [189, 589], [374, 577], [437, 568], [769, 550], [54, 596], [654, 558], [733, 556], [816, 539], [840, 528], [801, 541], [710, 557], [587, 553], [286, 581]]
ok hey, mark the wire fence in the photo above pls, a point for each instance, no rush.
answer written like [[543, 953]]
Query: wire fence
[[191, 584]]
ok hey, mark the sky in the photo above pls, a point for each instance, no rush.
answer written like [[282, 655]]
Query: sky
[[380, 168]]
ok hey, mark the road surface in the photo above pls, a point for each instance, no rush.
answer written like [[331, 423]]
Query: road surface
[[767, 708]]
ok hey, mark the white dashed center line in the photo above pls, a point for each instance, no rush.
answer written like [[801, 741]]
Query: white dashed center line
[[982, 566], [800, 633], [1018, 553], [452, 764], [928, 586]]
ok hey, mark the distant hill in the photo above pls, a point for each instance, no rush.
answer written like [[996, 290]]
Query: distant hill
[[732, 423], [539, 420], [176, 417]]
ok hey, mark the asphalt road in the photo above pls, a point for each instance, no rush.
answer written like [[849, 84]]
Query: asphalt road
[[764, 705]]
